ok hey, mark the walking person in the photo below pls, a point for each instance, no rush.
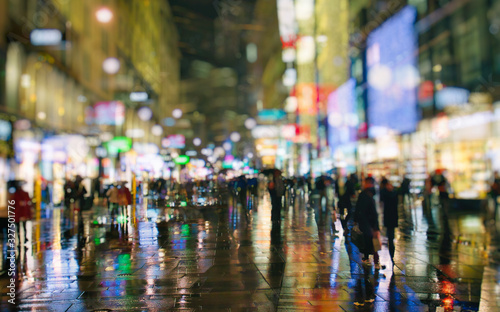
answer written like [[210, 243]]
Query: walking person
[[404, 190], [23, 205], [345, 192], [366, 217], [427, 203], [495, 195], [113, 199], [80, 192], [124, 197], [389, 201], [241, 189], [442, 184], [276, 189]]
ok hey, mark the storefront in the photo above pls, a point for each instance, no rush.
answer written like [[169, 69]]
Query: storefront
[[381, 158], [467, 147]]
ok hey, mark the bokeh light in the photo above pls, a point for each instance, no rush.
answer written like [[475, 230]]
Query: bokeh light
[[111, 65], [157, 130], [177, 113], [145, 113], [250, 123], [104, 15], [235, 137], [169, 122]]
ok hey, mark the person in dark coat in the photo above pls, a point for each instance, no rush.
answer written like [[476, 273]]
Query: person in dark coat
[[345, 191], [241, 187], [442, 184], [495, 194], [366, 216], [389, 200], [276, 190], [405, 192]]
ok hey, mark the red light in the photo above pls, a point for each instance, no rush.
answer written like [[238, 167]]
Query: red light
[[106, 162], [448, 302]]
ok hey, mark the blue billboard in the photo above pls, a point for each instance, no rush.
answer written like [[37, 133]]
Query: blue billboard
[[392, 75], [343, 119]]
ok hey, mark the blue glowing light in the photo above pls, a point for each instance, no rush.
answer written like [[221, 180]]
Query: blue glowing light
[[392, 75], [342, 115]]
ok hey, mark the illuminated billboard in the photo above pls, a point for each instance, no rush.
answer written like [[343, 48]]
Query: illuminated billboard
[[343, 119], [174, 141], [393, 75], [287, 23], [109, 113]]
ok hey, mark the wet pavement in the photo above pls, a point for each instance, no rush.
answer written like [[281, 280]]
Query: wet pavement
[[218, 259]]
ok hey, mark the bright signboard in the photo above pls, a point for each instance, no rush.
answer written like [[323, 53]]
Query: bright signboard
[[393, 76]]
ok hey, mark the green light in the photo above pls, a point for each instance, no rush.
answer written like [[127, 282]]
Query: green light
[[118, 145], [183, 204], [181, 160]]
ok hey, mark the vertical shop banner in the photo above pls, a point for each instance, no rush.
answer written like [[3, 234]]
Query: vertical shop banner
[[343, 119], [393, 76], [307, 95], [287, 22], [174, 141]]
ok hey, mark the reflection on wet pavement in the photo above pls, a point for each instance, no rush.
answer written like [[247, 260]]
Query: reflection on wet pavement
[[217, 258]]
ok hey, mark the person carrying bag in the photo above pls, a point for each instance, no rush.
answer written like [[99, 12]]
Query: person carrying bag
[[366, 217]]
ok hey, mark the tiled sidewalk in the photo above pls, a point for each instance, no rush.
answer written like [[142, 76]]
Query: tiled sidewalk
[[217, 260]]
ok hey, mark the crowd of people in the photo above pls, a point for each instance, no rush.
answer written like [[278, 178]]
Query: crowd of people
[[355, 201]]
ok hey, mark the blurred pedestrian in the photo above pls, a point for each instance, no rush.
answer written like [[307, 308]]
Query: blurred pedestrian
[[495, 194], [344, 190], [321, 189], [427, 203], [21, 200], [79, 192], [276, 189], [442, 184], [389, 201], [113, 200], [404, 190], [241, 190], [366, 217], [69, 195]]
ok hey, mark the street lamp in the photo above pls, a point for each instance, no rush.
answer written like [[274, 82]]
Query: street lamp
[[104, 15]]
